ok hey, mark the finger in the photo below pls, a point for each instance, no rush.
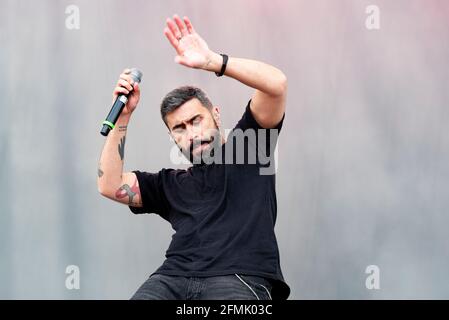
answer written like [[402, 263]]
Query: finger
[[125, 84], [173, 28], [174, 42], [119, 90], [189, 25], [127, 78], [126, 71], [180, 25], [182, 60]]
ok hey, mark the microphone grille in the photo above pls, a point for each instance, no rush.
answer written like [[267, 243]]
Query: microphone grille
[[136, 74]]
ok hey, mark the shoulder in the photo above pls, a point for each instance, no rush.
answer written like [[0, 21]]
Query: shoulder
[[248, 120], [174, 176]]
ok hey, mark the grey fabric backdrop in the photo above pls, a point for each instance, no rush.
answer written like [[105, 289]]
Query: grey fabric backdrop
[[363, 174]]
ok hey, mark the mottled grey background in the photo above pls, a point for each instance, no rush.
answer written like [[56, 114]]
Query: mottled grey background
[[363, 165]]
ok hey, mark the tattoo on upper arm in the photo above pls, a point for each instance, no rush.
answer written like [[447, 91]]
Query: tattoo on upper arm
[[127, 191], [121, 147]]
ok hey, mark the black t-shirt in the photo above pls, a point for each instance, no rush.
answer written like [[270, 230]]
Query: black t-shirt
[[223, 215]]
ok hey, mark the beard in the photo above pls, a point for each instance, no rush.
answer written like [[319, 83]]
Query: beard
[[203, 151]]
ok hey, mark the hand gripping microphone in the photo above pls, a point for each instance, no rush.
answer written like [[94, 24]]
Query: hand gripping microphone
[[118, 105]]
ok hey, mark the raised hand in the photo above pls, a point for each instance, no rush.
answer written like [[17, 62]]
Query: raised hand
[[192, 51]]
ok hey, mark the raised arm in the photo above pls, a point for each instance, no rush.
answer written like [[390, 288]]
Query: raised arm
[[269, 99], [112, 182]]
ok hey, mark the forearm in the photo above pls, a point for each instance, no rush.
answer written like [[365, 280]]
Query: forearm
[[256, 74], [110, 168]]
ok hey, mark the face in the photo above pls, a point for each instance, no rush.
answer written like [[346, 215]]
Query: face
[[195, 129]]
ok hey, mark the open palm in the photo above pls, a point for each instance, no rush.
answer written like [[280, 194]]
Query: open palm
[[192, 51]]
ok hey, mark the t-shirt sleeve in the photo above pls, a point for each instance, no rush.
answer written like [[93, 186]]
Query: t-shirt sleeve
[[152, 194], [248, 121], [269, 136]]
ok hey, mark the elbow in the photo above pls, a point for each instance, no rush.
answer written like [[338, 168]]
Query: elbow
[[281, 85], [106, 193], [103, 190]]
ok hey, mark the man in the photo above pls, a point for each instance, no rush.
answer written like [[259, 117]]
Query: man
[[223, 211]]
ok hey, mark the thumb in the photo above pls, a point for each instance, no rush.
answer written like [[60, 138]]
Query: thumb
[[136, 87]]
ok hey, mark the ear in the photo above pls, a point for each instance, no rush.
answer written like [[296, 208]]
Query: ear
[[216, 115]]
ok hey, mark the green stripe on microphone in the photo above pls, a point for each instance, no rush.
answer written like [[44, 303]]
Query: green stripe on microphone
[[110, 124]]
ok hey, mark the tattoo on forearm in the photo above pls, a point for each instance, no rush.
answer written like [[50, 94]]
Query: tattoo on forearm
[[208, 62], [99, 171], [126, 190], [121, 147]]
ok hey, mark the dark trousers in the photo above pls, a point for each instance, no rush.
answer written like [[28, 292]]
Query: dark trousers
[[228, 287]]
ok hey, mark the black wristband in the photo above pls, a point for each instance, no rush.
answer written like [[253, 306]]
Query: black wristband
[[223, 66]]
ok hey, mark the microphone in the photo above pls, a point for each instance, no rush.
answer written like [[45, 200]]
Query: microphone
[[119, 104]]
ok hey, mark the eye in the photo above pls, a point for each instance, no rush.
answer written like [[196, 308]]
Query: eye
[[178, 130], [196, 121]]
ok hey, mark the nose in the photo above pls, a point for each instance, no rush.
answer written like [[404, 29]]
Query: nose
[[192, 134]]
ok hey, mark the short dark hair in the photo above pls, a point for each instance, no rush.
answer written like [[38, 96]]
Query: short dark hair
[[177, 97]]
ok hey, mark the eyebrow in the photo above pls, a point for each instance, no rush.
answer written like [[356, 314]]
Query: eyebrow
[[180, 124]]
